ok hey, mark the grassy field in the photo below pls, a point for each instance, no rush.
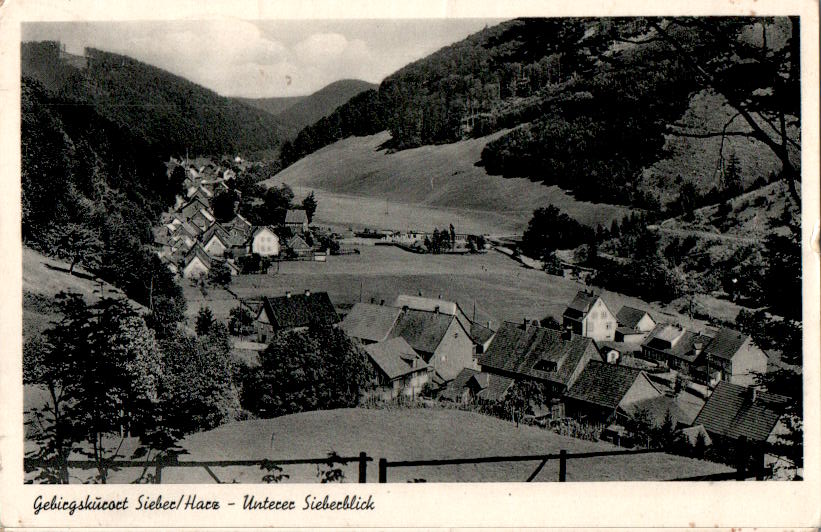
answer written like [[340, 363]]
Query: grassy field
[[43, 278], [424, 187], [501, 288], [411, 435]]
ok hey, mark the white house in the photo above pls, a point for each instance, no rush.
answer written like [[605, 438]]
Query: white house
[[264, 242]]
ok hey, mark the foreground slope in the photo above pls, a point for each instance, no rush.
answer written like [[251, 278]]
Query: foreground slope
[[409, 434], [441, 178]]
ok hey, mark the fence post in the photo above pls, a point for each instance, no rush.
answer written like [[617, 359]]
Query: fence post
[[562, 466], [741, 474], [363, 467], [383, 470], [158, 469]]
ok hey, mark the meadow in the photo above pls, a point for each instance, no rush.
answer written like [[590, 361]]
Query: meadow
[[499, 287]]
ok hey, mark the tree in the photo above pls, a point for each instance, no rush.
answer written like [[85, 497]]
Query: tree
[[220, 274], [240, 321], [759, 78], [77, 244], [732, 183], [310, 205], [224, 204], [688, 199], [205, 320], [199, 380], [100, 366], [550, 229], [316, 369]]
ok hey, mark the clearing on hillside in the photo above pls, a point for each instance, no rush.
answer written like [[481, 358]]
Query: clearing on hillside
[[442, 178]]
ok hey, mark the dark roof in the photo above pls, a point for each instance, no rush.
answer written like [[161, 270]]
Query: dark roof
[[683, 348], [491, 387], [630, 317], [726, 343], [370, 322], [580, 305], [423, 330], [516, 349], [197, 251], [603, 384], [629, 331], [299, 310], [731, 412], [480, 333], [216, 229], [621, 347], [395, 358], [296, 216]]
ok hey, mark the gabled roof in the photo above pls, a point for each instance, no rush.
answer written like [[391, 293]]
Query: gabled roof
[[480, 333], [630, 317], [238, 219], [516, 349], [604, 384], [726, 343], [423, 330], [296, 216], [395, 358], [732, 412], [296, 243], [492, 387], [299, 310], [580, 305], [197, 251], [370, 322], [431, 304], [216, 230], [684, 341], [657, 408], [195, 199]]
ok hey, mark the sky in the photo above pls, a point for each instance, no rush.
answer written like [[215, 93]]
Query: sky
[[265, 58]]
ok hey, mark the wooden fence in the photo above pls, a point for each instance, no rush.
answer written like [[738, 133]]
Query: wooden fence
[[743, 472]]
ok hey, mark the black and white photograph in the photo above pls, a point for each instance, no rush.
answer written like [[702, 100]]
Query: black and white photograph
[[451, 250]]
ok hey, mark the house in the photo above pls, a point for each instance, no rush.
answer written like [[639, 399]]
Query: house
[[623, 353], [216, 241], [732, 356], [605, 393], [480, 334], [192, 207], [370, 323], [239, 226], [398, 369], [439, 338], [292, 312], [588, 315], [733, 412], [474, 385], [264, 242], [202, 219], [526, 351], [196, 263], [675, 347], [297, 220], [201, 193], [633, 325], [299, 247]]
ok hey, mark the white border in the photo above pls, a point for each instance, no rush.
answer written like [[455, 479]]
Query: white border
[[636, 504]]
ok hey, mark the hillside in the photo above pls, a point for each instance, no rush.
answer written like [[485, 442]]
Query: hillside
[[442, 177], [43, 278], [591, 105], [164, 110], [272, 106], [307, 110], [409, 434]]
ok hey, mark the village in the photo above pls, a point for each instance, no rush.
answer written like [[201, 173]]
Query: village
[[603, 373]]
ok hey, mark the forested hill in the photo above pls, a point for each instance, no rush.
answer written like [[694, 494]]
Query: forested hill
[[592, 104], [162, 109], [91, 191]]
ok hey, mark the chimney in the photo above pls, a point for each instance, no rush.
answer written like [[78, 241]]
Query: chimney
[[440, 296], [307, 293], [488, 324], [373, 300], [698, 346], [288, 294], [567, 333], [753, 394], [419, 293], [382, 302], [436, 310]]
